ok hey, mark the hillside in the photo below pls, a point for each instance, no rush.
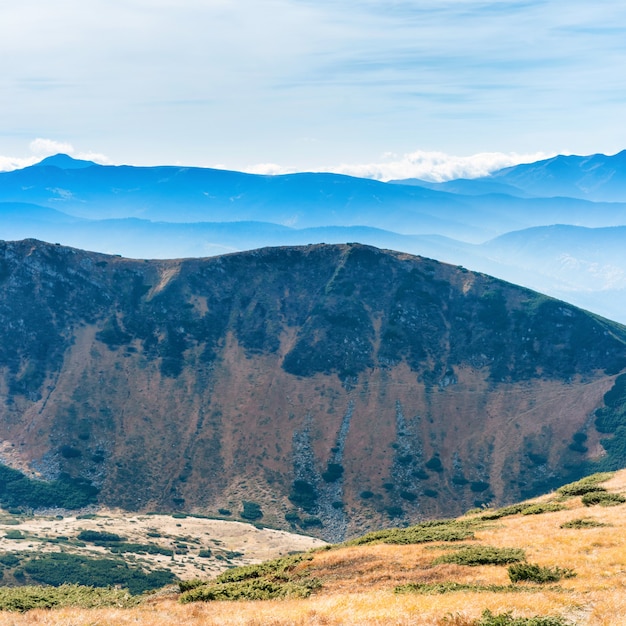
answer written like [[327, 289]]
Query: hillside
[[327, 388], [553, 561]]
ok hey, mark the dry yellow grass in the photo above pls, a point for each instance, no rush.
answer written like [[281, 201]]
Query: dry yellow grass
[[359, 581]]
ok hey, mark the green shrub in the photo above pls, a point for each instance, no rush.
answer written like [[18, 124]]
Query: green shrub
[[251, 511], [311, 522], [17, 490], [258, 589], [98, 536], [482, 555], [140, 548], [583, 522], [589, 484], [514, 509], [9, 560], [603, 498], [187, 585], [542, 507], [537, 573], [26, 598], [225, 512], [507, 619], [265, 581], [426, 532], [449, 586], [304, 495], [14, 534], [59, 568], [277, 568], [333, 473]]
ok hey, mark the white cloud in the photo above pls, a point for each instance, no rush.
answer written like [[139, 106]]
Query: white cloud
[[429, 166], [48, 147]]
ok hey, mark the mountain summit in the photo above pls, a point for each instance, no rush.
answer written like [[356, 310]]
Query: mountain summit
[[64, 162]]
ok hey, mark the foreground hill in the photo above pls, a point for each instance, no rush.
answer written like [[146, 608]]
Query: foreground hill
[[554, 561], [331, 388]]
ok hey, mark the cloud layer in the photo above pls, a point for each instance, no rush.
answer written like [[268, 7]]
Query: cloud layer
[[309, 83], [428, 166]]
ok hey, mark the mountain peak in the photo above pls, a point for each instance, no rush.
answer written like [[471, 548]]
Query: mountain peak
[[64, 162]]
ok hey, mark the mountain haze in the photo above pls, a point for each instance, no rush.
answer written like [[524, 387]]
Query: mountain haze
[[339, 385], [176, 212]]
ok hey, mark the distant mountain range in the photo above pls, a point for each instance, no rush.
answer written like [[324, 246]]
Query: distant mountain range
[[554, 225]]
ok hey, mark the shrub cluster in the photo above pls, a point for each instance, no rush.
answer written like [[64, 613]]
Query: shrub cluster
[[586, 485], [26, 598], [426, 532], [482, 555], [537, 573], [59, 568], [266, 581], [506, 619], [603, 498], [583, 522]]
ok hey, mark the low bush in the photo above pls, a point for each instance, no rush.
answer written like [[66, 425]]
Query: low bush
[[537, 573], [26, 598], [506, 619], [257, 589], [589, 484], [251, 511], [59, 568], [603, 498], [14, 534], [482, 555], [514, 509], [265, 581], [97, 536], [449, 586], [583, 522], [139, 548], [436, 530], [542, 507]]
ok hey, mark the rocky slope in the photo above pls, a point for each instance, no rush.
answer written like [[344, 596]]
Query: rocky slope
[[335, 388]]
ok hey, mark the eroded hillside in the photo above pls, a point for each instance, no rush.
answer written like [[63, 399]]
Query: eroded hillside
[[334, 388]]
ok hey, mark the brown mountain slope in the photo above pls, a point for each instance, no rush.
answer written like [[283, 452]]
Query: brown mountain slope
[[341, 385]]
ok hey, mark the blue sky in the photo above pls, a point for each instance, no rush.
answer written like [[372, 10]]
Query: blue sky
[[386, 89]]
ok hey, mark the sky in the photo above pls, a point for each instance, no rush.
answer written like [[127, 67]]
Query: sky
[[434, 89]]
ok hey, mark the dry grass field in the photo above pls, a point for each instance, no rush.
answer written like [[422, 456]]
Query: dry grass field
[[359, 582]]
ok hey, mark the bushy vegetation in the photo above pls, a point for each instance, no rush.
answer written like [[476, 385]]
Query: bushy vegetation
[[251, 511], [59, 568], [589, 484], [583, 522], [506, 619], [603, 498], [537, 573], [426, 532], [304, 495], [94, 536], [449, 586], [256, 589], [31, 597], [482, 555], [542, 507], [17, 490], [266, 581], [523, 508]]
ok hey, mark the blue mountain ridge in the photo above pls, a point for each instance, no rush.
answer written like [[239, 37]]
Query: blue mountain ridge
[[567, 247]]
